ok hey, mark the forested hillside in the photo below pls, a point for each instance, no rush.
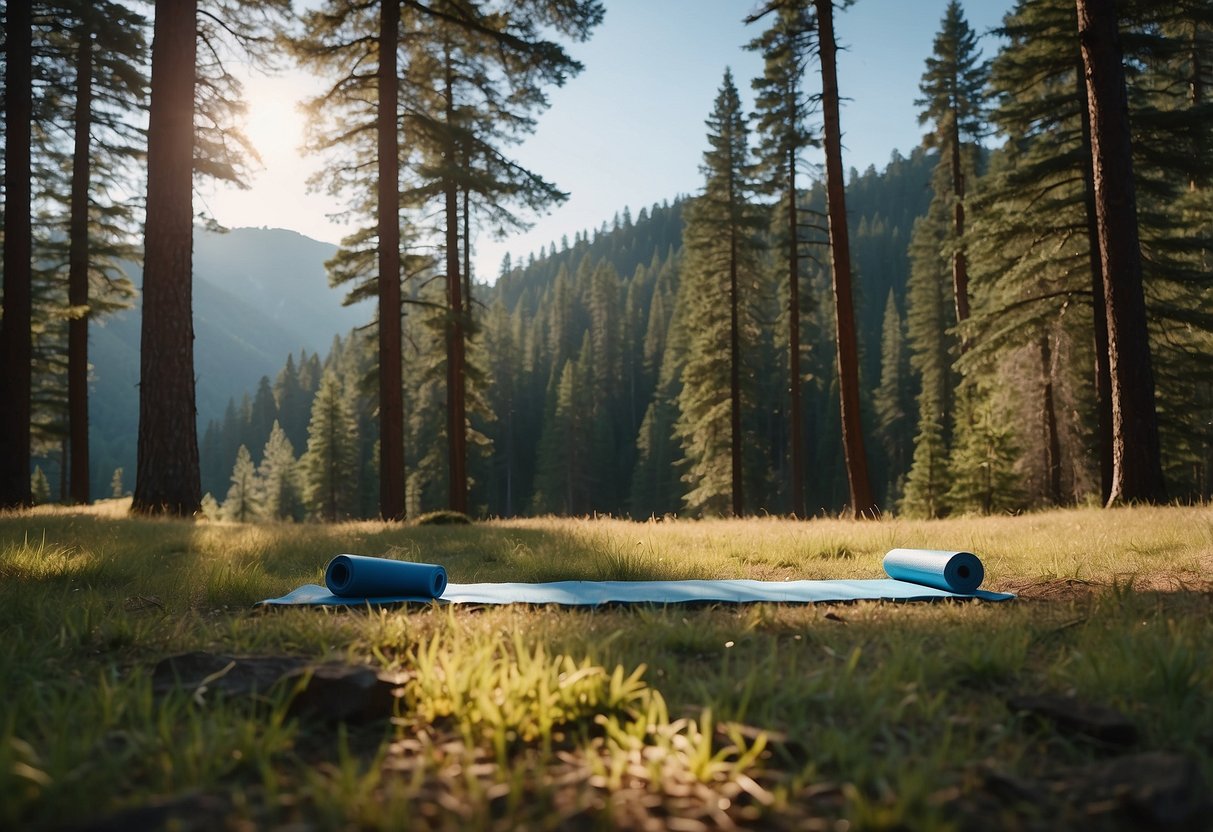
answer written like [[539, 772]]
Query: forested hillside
[[566, 429]]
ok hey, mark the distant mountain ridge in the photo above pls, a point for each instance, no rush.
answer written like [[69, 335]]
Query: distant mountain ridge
[[259, 295]]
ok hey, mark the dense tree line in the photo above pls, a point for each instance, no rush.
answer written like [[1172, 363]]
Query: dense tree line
[[1017, 314]]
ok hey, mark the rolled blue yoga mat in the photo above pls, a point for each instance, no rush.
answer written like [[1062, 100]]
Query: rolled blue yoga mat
[[914, 575], [358, 576], [959, 572]]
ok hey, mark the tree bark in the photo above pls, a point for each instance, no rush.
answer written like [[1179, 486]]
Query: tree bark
[[466, 206], [456, 380], [77, 276], [794, 414], [1137, 468], [862, 502], [167, 478], [960, 268], [1103, 378], [391, 395], [1196, 94], [735, 456], [16, 341], [738, 484]]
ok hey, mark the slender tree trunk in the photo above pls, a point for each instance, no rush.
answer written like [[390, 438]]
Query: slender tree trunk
[[1103, 377], [794, 416], [167, 478], [1052, 443], [77, 277], [734, 370], [862, 502], [1196, 93], [16, 341], [960, 268], [466, 204], [391, 394], [1137, 468], [455, 376]]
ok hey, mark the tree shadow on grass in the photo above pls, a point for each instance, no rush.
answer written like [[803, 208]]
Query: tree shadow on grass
[[487, 553]]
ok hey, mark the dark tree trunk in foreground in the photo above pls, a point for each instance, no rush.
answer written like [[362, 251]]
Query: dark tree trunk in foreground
[[391, 393], [797, 432], [456, 377], [77, 276], [16, 344], [1103, 378], [1136, 465], [167, 479], [862, 503]]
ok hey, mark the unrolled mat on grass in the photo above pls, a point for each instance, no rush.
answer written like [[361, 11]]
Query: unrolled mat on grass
[[914, 575]]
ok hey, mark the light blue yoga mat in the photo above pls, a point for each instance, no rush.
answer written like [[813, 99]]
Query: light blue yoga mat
[[915, 575]]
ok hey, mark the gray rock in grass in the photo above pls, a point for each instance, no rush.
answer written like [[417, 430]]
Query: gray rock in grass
[[332, 692]]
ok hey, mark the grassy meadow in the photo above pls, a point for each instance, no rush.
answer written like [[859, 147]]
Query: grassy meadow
[[856, 716]]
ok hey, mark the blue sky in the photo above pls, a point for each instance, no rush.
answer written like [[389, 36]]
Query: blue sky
[[629, 131]]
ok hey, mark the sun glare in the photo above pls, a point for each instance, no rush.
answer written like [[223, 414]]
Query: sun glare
[[273, 123], [277, 196]]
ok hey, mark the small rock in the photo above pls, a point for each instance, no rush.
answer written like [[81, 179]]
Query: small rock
[[333, 692], [344, 693], [206, 673], [1069, 714]]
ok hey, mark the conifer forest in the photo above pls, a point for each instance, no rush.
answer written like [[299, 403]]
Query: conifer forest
[[1016, 314]]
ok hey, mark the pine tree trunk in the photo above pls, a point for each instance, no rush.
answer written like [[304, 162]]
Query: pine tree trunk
[[1137, 468], [1196, 94], [738, 497], [1103, 377], [960, 268], [796, 435], [167, 477], [16, 341], [466, 204], [455, 347], [77, 277], [862, 503], [391, 395]]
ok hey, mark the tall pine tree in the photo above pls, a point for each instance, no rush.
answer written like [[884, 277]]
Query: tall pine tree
[[862, 502], [1136, 455], [195, 101], [330, 466], [782, 107], [721, 263]]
